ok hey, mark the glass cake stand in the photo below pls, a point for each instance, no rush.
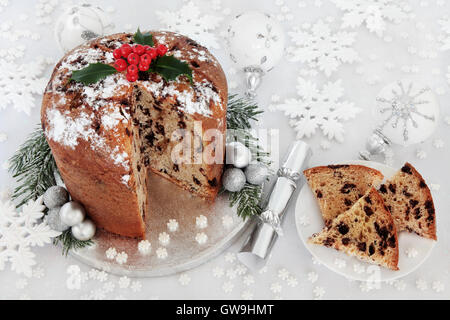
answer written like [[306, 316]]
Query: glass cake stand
[[187, 247]]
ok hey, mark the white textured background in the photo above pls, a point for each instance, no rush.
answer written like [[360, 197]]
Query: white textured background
[[409, 48]]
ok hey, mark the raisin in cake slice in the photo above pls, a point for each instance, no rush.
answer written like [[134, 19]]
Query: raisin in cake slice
[[409, 200], [338, 187], [366, 231]]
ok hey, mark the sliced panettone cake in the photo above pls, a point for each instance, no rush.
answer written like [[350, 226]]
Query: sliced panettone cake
[[338, 187], [366, 231], [409, 200]]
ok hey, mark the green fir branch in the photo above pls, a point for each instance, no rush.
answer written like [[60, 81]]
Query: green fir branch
[[247, 201], [240, 111], [69, 242]]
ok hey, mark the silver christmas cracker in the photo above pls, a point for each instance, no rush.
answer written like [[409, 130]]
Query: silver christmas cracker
[[267, 226]]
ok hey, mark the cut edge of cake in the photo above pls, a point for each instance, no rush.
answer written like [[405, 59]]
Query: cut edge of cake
[[366, 231], [337, 187], [410, 202]]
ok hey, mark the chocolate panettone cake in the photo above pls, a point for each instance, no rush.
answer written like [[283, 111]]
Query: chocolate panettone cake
[[107, 136]]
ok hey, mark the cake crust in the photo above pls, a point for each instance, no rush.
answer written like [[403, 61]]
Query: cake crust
[[89, 128]]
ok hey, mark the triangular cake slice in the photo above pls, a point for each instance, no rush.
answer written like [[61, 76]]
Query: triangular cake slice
[[338, 187], [366, 231], [409, 200]]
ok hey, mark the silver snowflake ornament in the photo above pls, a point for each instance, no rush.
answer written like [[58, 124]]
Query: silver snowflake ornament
[[322, 49], [318, 109]]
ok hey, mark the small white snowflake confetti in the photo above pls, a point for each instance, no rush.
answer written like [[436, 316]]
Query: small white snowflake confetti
[[249, 280], [184, 279], [3, 137], [21, 283], [359, 268], [276, 287], [227, 221], [231, 273], [304, 220], [201, 222], [411, 252], [161, 253], [340, 263], [230, 257], [247, 295], [325, 145], [218, 272], [124, 282], [164, 238], [201, 238], [292, 282], [421, 154], [313, 276], [172, 225], [366, 286], [227, 287], [400, 285], [283, 274], [437, 286], [263, 270], [136, 286], [122, 257], [102, 276], [319, 292], [421, 284], [111, 253], [241, 269], [144, 247], [109, 287]]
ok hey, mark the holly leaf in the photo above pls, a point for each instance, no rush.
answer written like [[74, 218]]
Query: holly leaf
[[93, 73], [170, 68], [146, 39]]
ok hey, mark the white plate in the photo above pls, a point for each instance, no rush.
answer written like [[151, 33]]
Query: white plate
[[308, 209]]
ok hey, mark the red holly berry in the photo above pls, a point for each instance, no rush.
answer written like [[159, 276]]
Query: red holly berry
[[126, 50], [132, 69], [143, 66], [117, 53], [133, 58], [139, 49], [132, 77], [161, 49], [120, 65], [145, 59], [152, 52]]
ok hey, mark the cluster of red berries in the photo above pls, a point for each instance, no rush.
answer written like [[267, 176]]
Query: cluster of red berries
[[136, 58]]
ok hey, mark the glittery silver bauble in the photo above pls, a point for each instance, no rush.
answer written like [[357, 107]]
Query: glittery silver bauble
[[256, 173], [72, 213], [84, 231], [233, 179], [256, 42], [377, 143], [53, 219], [80, 23], [408, 112], [238, 155], [55, 197]]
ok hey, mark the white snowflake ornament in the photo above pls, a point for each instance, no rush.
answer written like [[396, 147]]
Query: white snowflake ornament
[[322, 49], [318, 109]]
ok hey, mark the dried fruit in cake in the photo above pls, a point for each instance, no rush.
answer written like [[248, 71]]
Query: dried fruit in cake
[[409, 200], [366, 231], [338, 187]]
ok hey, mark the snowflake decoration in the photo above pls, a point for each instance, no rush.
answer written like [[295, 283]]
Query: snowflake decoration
[[144, 247], [313, 276], [161, 253], [109, 287], [190, 22], [421, 284], [340, 263], [438, 143], [227, 221], [304, 220], [201, 238], [400, 285], [21, 231], [231, 274], [445, 39], [371, 13], [124, 282], [249, 280], [318, 109], [164, 238], [411, 252], [184, 279], [421, 154], [228, 287], [292, 282], [438, 286], [247, 295], [136, 286], [201, 222], [122, 257], [283, 274], [20, 83], [358, 268], [218, 272], [319, 292], [230, 257], [111, 253], [321, 49], [21, 283], [172, 225], [241, 269], [276, 287]]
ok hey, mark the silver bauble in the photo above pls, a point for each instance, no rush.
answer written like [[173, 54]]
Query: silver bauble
[[72, 213], [238, 155], [55, 197], [256, 173], [84, 231], [80, 23], [233, 179], [53, 220]]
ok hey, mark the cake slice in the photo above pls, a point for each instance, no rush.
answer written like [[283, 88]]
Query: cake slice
[[338, 187], [409, 200], [366, 231]]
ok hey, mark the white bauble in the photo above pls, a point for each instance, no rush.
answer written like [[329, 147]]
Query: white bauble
[[84, 231], [407, 112], [80, 23], [72, 213], [255, 39], [238, 155], [256, 173], [233, 179]]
